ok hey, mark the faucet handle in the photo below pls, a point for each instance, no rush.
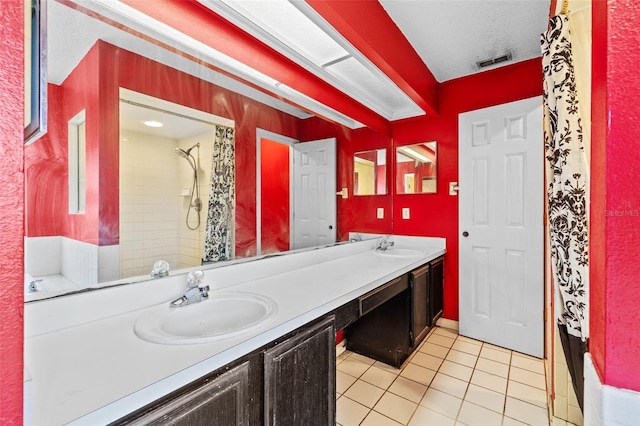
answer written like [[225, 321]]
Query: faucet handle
[[194, 279], [160, 269]]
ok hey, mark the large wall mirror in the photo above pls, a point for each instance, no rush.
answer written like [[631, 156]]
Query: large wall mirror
[[416, 168], [107, 194], [370, 172]]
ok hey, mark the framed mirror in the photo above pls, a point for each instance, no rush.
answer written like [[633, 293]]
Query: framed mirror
[[416, 168], [370, 172]]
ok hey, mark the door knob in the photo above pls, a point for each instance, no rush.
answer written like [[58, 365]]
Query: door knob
[[330, 226], [465, 234]]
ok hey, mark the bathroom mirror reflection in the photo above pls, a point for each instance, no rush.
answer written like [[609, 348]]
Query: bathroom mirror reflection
[[119, 223], [416, 168], [370, 172]]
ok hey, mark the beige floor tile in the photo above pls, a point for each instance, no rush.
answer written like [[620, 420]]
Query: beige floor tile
[[395, 407], [450, 385], [496, 348], [527, 377], [469, 340], [473, 415], [387, 367], [445, 332], [376, 419], [466, 347], [418, 374], [493, 367], [508, 421], [441, 402], [427, 361], [458, 371], [527, 393], [362, 358], [408, 389], [558, 422], [441, 340], [343, 381], [527, 413], [495, 355], [462, 358], [489, 381], [378, 377], [527, 363], [433, 349], [424, 416], [364, 393], [485, 398], [349, 412], [353, 367], [561, 407]]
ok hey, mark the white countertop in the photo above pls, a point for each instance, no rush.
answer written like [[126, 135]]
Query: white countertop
[[96, 370]]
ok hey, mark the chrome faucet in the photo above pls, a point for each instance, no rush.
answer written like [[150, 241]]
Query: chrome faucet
[[32, 288], [195, 292], [384, 243], [356, 238], [160, 269]]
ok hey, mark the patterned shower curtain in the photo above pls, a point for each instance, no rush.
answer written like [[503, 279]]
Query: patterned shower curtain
[[567, 181], [220, 226]]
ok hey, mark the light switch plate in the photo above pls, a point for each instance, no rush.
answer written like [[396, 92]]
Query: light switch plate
[[405, 213], [380, 213]]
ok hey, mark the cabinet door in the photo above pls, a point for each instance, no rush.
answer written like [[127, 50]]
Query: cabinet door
[[222, 401], [420, 319], [300, 378], [436, 289]]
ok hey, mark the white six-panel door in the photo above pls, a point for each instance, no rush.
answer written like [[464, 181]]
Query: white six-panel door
[[314, 193], [501, 199]]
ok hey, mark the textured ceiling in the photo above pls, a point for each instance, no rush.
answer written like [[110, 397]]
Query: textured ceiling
[[452, 35]]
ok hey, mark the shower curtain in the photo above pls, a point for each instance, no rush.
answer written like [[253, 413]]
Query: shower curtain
[[220, 225], [567, 181]]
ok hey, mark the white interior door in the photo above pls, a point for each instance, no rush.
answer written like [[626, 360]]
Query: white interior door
[[501, 153], [314, 165]]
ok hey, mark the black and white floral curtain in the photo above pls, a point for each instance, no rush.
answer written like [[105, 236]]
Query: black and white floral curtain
[[220, 226], [567, 181]]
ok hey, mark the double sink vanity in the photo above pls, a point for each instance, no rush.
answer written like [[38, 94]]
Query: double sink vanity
[[260, 349]]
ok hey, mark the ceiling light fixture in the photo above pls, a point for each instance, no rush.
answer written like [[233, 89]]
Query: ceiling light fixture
[[415, 155], [153, 123]]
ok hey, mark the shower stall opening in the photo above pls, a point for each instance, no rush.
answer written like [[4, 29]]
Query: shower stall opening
[[165, 175]]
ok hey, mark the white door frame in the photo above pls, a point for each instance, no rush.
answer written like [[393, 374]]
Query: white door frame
[[266, 134]]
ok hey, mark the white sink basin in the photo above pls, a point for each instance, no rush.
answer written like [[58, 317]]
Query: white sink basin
[[222, 316], [392, 251]]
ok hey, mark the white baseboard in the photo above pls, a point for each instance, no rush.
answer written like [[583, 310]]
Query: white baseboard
[[447, 323], [341, 347]]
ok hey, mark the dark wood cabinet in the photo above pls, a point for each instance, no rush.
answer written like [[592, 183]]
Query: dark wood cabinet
[[220, 401], [436, 289], [420, 315], [299, 378]]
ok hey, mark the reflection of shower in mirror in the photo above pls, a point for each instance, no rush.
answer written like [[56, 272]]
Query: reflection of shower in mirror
[[195, 201]]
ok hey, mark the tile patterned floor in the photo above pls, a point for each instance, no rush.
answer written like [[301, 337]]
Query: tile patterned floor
[[449, 380]]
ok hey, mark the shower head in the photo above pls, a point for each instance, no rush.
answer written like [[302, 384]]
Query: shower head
[[181, 153]]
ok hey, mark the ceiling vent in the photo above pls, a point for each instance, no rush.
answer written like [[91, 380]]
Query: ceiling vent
[[494, 61]]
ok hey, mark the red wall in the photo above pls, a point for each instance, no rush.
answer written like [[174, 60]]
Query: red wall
[[436, 215], [47, 159], [274, 196], [615, 204], [11, 210]]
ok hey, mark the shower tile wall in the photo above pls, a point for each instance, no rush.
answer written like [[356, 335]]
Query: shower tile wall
[[149, 208], [191, 242]]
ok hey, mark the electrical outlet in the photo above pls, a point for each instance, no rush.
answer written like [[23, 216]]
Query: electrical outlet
[[380, 213], [405, 213]]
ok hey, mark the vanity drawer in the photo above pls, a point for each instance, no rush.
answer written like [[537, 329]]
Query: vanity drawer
[[377, 297]]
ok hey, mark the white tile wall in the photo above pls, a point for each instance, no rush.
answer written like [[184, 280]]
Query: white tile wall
[[607, 405], [152, 211], [42, 255], [79, 262]]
